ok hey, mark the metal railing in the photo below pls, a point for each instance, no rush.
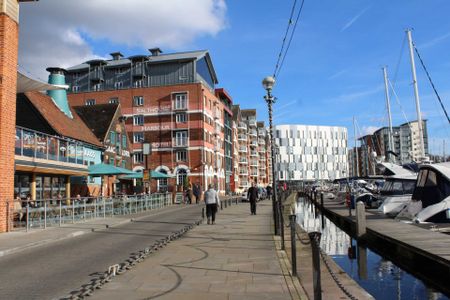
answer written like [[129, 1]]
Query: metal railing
[[31, 214]]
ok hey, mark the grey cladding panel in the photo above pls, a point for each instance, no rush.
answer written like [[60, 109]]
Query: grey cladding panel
[[173, 73]]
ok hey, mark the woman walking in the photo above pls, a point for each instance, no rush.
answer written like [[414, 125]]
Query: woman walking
[[212, 202]]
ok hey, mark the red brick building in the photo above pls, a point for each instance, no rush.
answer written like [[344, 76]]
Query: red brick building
[[168, 100]]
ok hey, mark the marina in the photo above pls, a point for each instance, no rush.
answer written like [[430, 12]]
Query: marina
[[420, 252]]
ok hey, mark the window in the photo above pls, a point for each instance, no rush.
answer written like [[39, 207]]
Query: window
[[90, 102], [162, 183], [180, 101], [138, 100], [138, 157], [181, 176], [118, 85], [138, 120], [97, 87], [138, 137], [181, 138], [181, 118], [181, 155], [114, 100], [139, 83], [124, 141], [75, 88], [112, 137]]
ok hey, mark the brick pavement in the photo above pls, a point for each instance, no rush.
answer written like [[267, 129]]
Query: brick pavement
[[234, 259]]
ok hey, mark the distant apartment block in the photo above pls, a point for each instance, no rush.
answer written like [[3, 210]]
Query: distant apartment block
[[308, 152]]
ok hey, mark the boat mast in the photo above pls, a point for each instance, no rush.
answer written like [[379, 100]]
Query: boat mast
[[390, 157], [416, 95], [356, 149]]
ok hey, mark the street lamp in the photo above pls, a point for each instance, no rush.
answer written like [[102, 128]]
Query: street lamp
[[146, 151], [268, 84]]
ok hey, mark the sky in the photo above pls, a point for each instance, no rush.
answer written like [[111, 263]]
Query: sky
[[332, 72]]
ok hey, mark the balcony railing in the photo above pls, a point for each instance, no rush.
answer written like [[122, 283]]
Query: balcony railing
[[252, 123], [243, 161], [242, 126], [36, 144], [97, 75], [254, 153], [253, 163], [252, 133], [261, 142], [244, 184], [261, 132], [243, 172], [253, 144], [242, 137], [243, 149]]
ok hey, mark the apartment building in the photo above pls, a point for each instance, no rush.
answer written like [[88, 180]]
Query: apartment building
[[169, 101], [264, 163], [309, 152], [249, 118]]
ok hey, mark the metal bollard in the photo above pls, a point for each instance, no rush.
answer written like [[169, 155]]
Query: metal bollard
[[45, 214], [321, 214], [360, 219], [28, 216], [280, 207], [60, 212], [236, 200], [203, 213], [221, 205], [292, 219], [73, 211], [315, 239]]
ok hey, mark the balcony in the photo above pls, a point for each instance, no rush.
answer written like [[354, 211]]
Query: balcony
[[36, 144], [261, 142], [242, 137], [243, 161], [262, 167], [252, 133], [182, 142], [253, 144], [254, 174], [254, 153], [261, 132], [262, 175], [262, 150], [243, 172], [252, 123], [242, 149], [244, 184], [253, 163], [242, 126]]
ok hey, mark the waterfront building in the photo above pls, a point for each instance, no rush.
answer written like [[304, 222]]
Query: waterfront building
[[107, 124], [240, 152], [168, 100], [52, 144], [264, 163], [309, 152]]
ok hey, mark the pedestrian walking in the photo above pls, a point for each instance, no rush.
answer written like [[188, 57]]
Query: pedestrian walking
[[269, 192], [212, 202], [197, 191], [252, 195]]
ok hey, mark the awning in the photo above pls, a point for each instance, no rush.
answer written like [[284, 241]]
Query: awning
[[105, 169], [27, 84], [139, 175]]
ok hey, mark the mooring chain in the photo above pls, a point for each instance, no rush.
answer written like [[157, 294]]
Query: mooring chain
[[118, 269], [333, 275]]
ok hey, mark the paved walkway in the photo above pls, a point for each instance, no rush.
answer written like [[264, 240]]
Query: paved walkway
[[234, 259]]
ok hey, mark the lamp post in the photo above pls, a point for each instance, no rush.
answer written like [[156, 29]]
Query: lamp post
[[146, 151], [268, 84]]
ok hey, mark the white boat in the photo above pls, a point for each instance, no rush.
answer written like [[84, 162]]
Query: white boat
[[431, 198], [396, 193]]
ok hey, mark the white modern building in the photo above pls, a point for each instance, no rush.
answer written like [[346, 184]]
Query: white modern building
[[309, 152]]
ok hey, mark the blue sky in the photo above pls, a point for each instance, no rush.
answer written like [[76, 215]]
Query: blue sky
[[332, 71]]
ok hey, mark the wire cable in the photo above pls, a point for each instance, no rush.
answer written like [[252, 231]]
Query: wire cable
[[431, 82], [280, 64]]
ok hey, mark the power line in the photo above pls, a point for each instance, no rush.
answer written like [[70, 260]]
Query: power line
[[282, 55], [431, 82]]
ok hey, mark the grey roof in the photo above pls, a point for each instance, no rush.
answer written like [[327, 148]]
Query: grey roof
[[188, 55]]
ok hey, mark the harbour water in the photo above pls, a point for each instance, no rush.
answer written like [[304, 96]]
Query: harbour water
[[377, 275]]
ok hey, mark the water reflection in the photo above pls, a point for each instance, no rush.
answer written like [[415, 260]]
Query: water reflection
[[378, 276]]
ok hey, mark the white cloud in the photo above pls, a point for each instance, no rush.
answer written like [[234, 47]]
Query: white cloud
[[357, 95], [434, 41], [57, 33]]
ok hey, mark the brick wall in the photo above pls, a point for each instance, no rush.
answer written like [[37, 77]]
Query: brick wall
[[9, 31]]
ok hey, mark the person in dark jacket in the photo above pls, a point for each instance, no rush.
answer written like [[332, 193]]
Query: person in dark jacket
[[252, 195], [197, 191]]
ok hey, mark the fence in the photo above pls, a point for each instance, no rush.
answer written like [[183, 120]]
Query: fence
[[30, 214]]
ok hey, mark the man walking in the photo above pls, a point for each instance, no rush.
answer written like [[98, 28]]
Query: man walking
[[252, 195], [212, 202], [197, 192]]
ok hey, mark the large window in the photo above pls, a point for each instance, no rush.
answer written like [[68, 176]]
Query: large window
[[180, 101], [181, 138], [138, 120], [138, 100], [181, 155], [181, 118], [162, 182], [138, 137], [138, 157]]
